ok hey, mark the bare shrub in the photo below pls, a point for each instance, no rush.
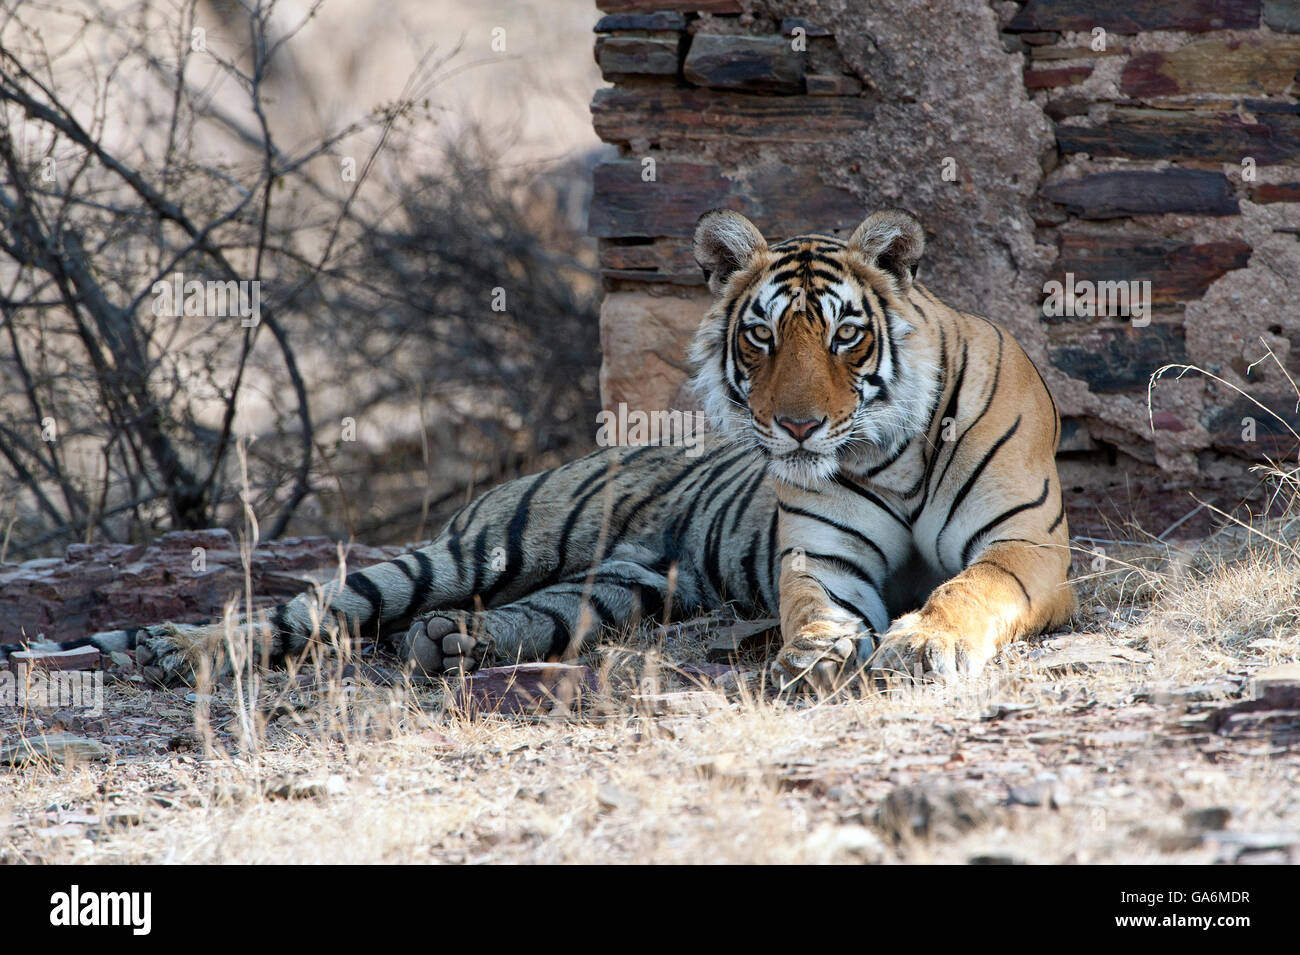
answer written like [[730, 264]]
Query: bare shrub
[[336, 296]]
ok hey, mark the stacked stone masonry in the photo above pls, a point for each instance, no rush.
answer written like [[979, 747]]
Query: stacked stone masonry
[[1108, 140]]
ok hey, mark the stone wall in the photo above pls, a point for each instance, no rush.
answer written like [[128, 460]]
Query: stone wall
[[1143, 140]]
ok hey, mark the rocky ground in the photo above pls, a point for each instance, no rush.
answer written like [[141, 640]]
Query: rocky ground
[[1108, 744]]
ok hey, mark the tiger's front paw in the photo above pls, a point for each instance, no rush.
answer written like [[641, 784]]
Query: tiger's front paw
[[443, 644], [822, 656], [911, 652]]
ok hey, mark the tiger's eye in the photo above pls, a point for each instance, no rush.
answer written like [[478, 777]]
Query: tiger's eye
[[761, 333], [846, 333]]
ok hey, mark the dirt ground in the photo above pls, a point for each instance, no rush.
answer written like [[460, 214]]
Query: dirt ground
[[1164, 728]]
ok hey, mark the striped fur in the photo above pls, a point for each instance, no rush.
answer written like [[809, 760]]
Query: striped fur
[[928, 486], [883, 477]]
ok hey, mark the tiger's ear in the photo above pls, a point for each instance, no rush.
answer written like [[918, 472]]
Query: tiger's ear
[[892, 241], [725, 243]]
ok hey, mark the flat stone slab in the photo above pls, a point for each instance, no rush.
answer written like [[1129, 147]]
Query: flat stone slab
[[81, 658], [58, 748], [1089, 657], [525, 689], [683, 703], [1278, 685], [745, 636]]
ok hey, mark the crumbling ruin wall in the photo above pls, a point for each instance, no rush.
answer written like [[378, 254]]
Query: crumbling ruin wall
[[1141, 141]]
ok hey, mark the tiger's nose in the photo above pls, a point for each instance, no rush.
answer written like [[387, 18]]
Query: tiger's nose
[[800, 430]]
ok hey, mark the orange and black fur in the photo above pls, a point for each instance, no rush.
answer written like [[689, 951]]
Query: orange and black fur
[[883, 478]]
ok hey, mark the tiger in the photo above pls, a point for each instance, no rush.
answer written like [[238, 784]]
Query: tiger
[[880, 476]]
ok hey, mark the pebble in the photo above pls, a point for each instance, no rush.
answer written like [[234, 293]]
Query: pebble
[[613, 797]]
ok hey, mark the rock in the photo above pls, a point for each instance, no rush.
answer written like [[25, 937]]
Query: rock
[[1271, 712], [1086, 658], [1277, 685], [1275, 192], [187, 739], [1243, 64], [744, 638], [611, 797], [752, 63], [1113, 360], [681, 703], [353, 673], [1133, 16], [1116, 738], [1058, 76], [661, 261], [790, 24], [637, 56], [1211, 819], [1109, 195], [928, 811], [1211, 691], [123, 817], [780, 201], [525, 688], [1047, 737], [828, 844], [832, 84], [643, 341], [80, 658], [58, 748], [621, 115], [723, 7], [706, 673], [1191, 136], [1282, 15], [1272, 438], [1253, 719], [1033, 796], [1177, 270], [103, 587], [623, 203], [1235, 847], [301, 787], [1002, 710], [660, 21]]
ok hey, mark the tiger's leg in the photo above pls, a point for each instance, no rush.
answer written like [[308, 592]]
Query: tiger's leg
[[830, 615], [837, 551], [1010, 589], [376, 599], [553, 623], [822, 634]]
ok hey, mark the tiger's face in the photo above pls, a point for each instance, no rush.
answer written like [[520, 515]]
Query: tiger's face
[[804, 350]]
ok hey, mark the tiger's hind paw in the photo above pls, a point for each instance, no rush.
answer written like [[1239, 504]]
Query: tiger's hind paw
[[162, 655], [444, 644]]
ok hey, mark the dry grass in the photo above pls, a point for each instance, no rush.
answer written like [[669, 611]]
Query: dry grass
[[396, 775], [1030, 762]]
